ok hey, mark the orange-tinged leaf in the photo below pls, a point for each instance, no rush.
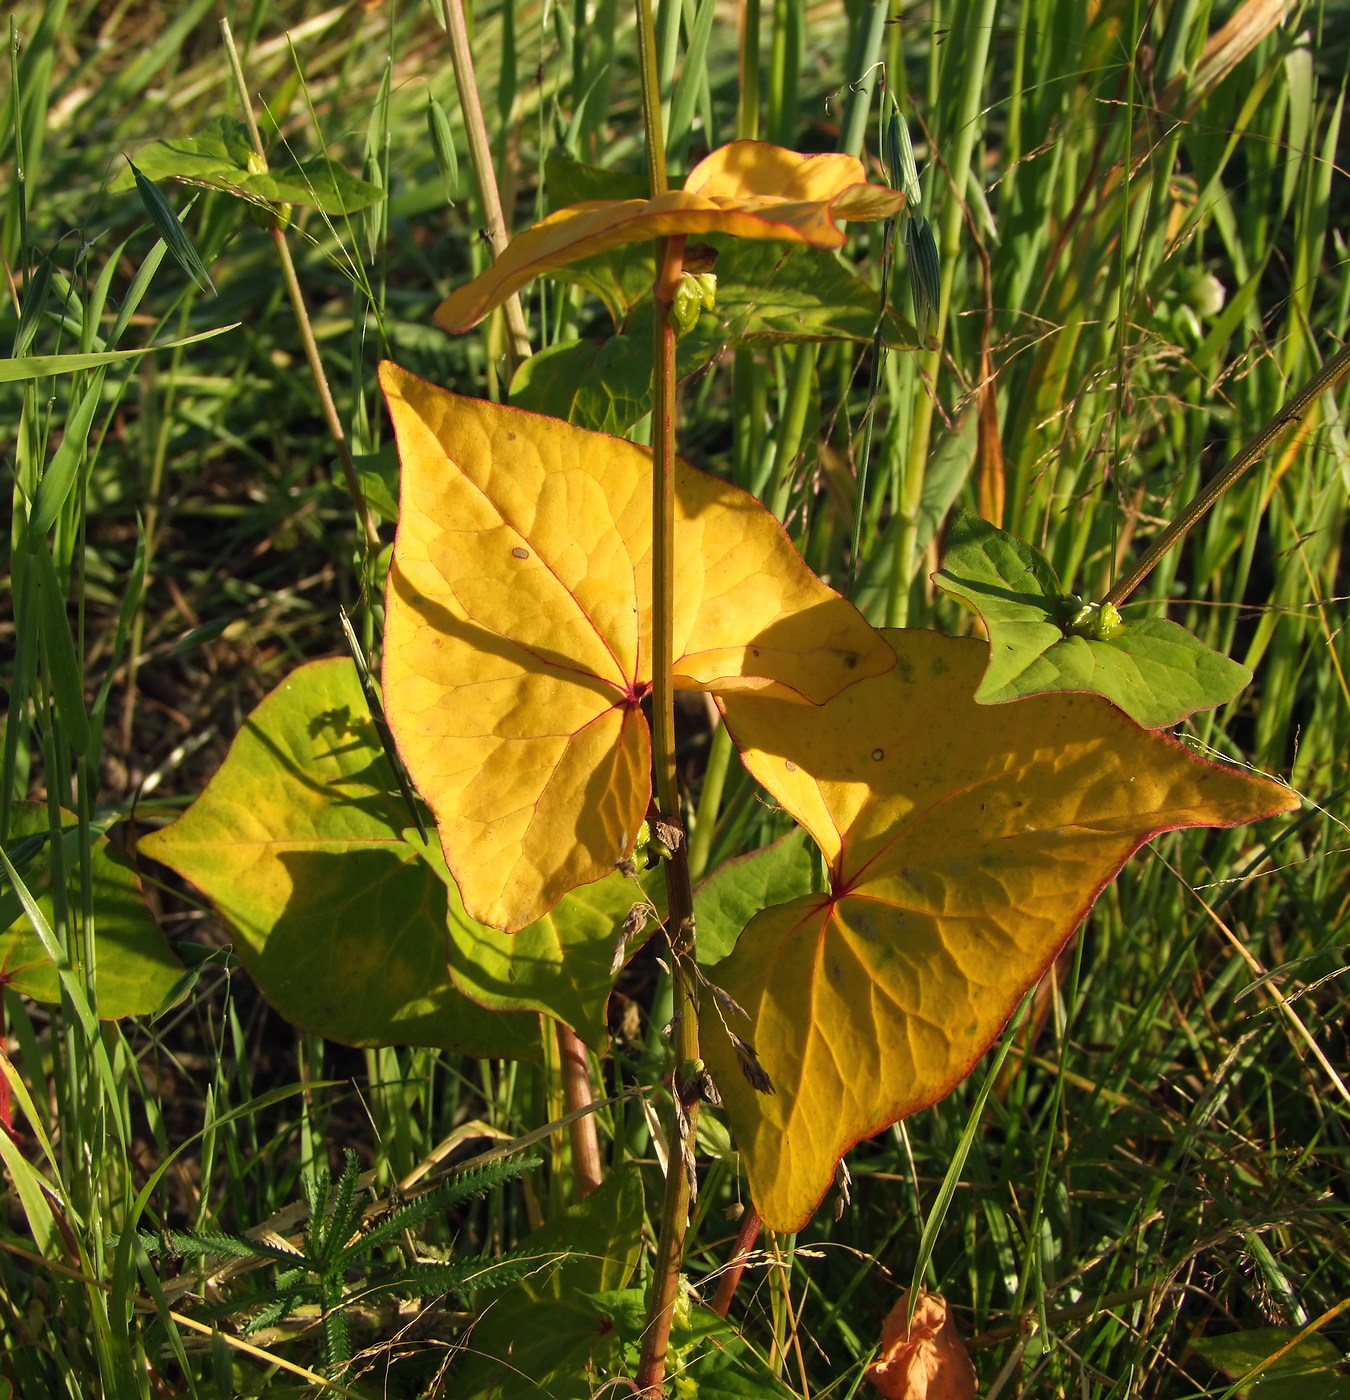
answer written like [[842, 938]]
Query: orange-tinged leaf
[[518, 635], [966, 844], [750, 189], [923, 1357]]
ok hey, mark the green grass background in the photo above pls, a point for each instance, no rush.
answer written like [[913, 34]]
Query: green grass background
[[1140, 257]]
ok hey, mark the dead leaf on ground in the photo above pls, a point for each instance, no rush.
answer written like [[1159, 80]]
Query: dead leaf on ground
[[922, 1358]]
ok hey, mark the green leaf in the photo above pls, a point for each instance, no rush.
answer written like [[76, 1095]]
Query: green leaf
[[319, 183], [170, 229], [59, 479], [378, 474], [221, 157], [301, 841], [134, 968], [562, 964], [767, 293], [221, 148], [569, 181], [33, 307], [40, 366], [545, 1338], [704, 1348], [1312, 1370], [773, 293], [1156, 671], [739, 888], [58, 648], [604, 385], [623, 277]]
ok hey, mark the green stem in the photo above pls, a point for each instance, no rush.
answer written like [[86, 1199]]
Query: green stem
[[710, 801], [653, 138], [302, 321], [747, 104], [1290, 413], [792, 429], [973, 46], [865, 78]]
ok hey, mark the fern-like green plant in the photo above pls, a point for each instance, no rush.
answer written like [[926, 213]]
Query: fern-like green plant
[[336, 1267]]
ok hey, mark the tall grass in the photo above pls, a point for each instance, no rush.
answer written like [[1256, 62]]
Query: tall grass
[[1142, 253]]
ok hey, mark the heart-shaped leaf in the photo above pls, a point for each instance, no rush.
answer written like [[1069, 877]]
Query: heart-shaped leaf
[[303, 844], [965, 844], [134, 969], [1157, 672], [518, 635], [603, 384], [749, 189]]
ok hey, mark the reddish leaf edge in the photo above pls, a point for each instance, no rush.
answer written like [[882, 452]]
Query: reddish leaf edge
[[824, 904]]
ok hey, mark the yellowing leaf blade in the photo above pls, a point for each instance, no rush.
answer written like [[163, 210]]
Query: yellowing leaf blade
[[749, 189], [518, 635], [967, 844]]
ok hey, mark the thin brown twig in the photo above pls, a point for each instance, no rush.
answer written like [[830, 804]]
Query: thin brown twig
[[311, 346], [480, 155], [1285, 417]]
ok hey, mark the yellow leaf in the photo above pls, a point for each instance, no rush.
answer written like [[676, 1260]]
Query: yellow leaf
[[966, 843], [518, 635], [750, 189]]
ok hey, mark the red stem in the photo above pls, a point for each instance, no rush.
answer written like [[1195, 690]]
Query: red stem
[[576, 1081], [731, 1276]]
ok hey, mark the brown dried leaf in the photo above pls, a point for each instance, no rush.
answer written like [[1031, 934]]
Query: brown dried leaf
[[922, 1358]]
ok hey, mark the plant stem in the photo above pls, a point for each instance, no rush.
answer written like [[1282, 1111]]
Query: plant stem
[[1290, 413], [747, 102], [710, 800], [302, 321], [665, 1284], [577, 1093], [654, 139], [973, 46], [731, 1276], [663, 533], [679, 895], [480, 153]]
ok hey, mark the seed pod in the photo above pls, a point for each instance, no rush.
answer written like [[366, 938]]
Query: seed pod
[[443, 147]]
